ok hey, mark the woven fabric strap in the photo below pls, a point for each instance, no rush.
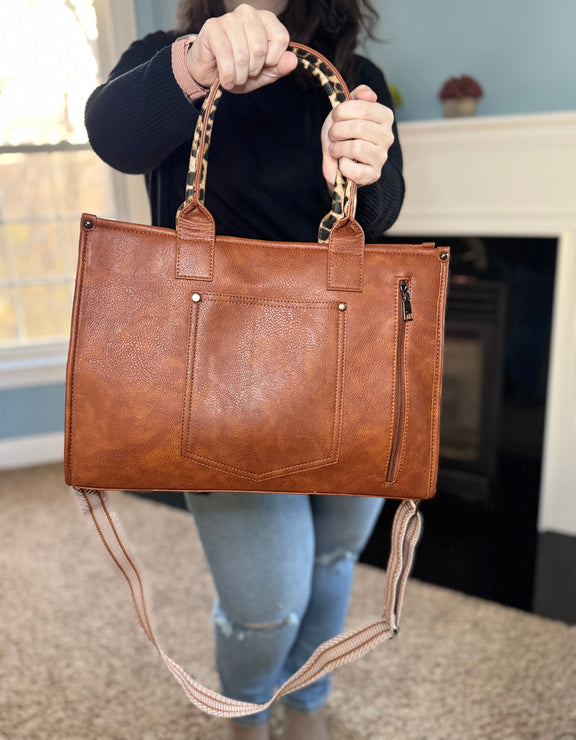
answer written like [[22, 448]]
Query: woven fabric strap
[[344, 648]]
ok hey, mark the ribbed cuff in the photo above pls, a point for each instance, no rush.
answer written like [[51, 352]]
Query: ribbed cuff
[[191, 89]]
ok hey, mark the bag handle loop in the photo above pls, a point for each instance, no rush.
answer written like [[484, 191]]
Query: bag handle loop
[[195, 225]]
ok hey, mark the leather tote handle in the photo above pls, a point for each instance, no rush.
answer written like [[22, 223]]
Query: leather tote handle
[[195, 225], [343, 648]]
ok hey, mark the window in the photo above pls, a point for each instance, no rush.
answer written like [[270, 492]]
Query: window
[[48, 174]]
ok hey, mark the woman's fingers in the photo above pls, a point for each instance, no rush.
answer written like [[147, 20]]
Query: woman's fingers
[[245, 49], [363, 92], [221, 58], [249, 32], [360, 128], [356, 137], [358, 172], [358, 149], [364, 110], [277, 40]]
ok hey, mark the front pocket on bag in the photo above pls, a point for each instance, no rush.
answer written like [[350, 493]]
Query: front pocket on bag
[[264, 384]]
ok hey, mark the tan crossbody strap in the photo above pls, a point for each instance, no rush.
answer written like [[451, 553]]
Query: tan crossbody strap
[[335, 652]]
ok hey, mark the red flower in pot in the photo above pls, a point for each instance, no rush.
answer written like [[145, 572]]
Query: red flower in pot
[[459, 96]]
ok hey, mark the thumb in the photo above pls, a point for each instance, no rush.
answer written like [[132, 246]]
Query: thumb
[[287, 63], [363, 92]]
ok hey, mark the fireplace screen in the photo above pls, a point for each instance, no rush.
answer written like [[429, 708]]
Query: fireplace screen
[[472, 387], [462, 397]]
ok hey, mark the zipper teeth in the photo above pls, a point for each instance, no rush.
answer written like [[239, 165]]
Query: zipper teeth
[[400, 406]]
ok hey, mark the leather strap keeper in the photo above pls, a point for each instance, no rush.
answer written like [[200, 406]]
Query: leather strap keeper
[[195, 243]]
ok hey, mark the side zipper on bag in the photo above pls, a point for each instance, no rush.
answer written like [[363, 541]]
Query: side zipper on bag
[[404, 315]]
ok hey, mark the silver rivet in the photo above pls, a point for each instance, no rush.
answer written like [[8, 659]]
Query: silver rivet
[[196, 297], [342, 306], [88, 223], [444, 256]]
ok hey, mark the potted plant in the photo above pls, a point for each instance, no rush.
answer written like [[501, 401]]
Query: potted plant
[[459, 96]]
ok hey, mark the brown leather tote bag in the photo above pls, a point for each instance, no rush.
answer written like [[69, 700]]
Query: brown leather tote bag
[[215, 363]]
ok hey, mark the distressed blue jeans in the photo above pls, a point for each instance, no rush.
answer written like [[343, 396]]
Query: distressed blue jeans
[[283, 567]]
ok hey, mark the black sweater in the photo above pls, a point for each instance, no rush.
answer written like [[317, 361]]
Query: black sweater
[[265, 165]]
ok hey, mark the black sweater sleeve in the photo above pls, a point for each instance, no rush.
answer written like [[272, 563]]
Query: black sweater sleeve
[[139, 116], [379, 204]]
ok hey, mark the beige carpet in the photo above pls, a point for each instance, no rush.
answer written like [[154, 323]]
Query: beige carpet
[[74, 664]]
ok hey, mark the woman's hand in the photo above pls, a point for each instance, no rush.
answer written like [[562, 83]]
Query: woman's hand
[[246, 49], [356, 137]]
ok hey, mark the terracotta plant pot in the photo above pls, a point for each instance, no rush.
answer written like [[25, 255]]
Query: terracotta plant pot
[[455, 107]]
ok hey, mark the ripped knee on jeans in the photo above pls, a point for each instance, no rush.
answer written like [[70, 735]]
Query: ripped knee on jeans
[[241, 630], [334, 557]]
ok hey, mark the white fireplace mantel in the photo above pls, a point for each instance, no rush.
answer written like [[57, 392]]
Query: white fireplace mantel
[[497, 175], [510, 176]]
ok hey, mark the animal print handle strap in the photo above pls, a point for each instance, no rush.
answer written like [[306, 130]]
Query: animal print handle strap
[[344, 648], [344, 193]]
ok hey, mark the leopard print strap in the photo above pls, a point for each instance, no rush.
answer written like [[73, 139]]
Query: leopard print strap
[[344, 193], [337, 91], [208, 109]]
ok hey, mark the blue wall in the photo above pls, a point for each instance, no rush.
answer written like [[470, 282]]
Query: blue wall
[[28, 411], [152, 15], [523, 52]]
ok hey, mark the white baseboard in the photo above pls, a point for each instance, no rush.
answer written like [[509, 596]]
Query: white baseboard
[[39, 449]]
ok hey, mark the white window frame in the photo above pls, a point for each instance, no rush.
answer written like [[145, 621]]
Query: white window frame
[[44, 363]]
